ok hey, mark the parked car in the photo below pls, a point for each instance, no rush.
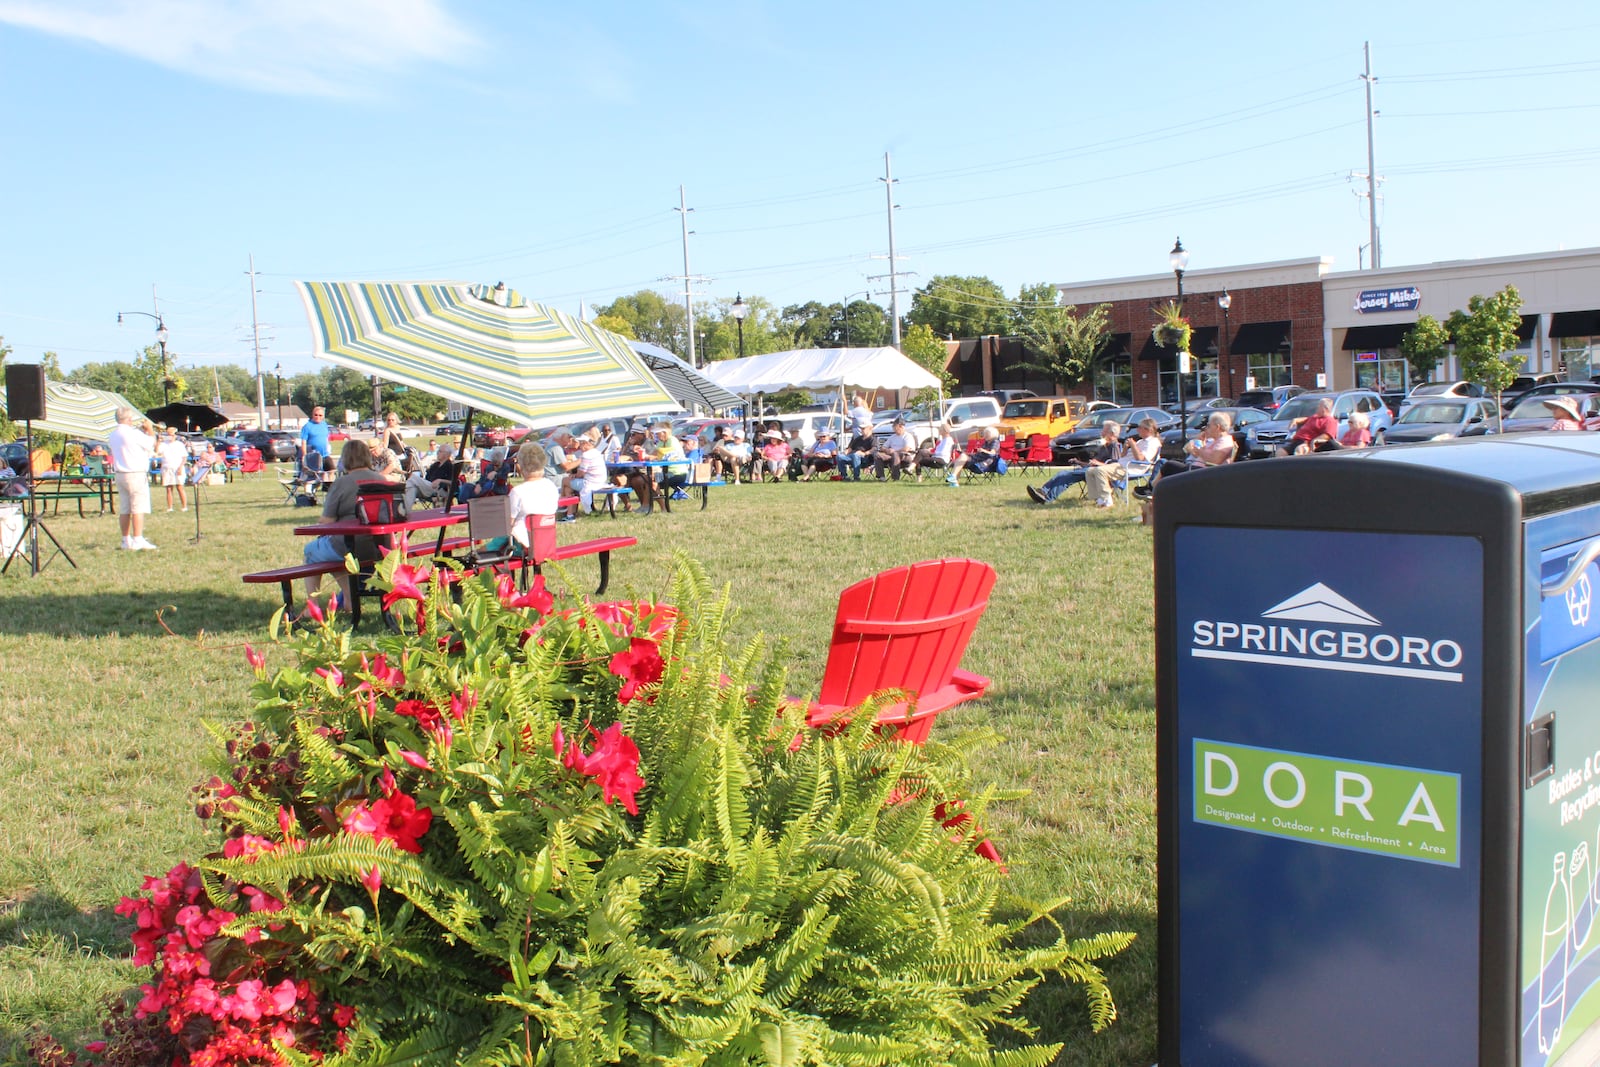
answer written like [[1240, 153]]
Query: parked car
[[1427, 390], [1441, 418], [1265, 438], [1521, 384], [1006, 396], [1195, 403], [450, 429], [1080, 442], [1270, 399], [965, 414], [276, 446], [1172, 440], [1392, 401], [15, 454], [1530, 414], [495, 436], [1041, 414], [807, 423]]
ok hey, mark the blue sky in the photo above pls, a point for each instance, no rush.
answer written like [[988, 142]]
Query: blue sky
[[162, 142]]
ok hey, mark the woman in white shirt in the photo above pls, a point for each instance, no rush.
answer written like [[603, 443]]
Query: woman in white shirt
[[174, 456]]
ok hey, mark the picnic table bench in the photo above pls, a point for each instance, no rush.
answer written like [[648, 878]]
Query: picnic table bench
[[50, 492], [285, 577]]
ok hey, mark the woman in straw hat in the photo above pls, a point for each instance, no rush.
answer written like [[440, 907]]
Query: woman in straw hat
[[1565, 409]]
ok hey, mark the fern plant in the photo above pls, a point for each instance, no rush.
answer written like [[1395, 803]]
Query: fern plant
[[520, 835]]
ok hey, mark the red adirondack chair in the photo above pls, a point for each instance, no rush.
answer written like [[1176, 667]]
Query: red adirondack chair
[[906, 629]]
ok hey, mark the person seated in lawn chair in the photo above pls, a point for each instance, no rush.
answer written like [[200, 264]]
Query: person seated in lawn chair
[[1108, 453], [898, 453], [984, 455], [943, 455], [730, 457], [495, 480], [433, 484], [775, 451], [860, 450], [820, 458]]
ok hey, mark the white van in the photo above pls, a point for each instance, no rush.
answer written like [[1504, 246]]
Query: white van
[[965, 414]]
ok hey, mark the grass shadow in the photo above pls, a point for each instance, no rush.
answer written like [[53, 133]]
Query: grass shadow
[[55, 614], [93, 931]]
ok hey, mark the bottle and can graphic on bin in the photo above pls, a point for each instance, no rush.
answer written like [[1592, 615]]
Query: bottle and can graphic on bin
[[1555, 955]]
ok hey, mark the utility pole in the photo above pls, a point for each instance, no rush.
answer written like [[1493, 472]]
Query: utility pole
[[894, 271], [1372, 166], [255, 339], [688, 294]]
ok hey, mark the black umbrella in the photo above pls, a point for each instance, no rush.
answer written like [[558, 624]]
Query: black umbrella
[[188, 415]]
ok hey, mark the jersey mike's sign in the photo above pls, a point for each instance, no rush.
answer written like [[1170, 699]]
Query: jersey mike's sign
[[1400, 298]]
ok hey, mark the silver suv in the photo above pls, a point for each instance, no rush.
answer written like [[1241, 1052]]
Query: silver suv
[[1265, 438]]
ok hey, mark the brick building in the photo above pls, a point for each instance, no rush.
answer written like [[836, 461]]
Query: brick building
[[1271, 333]]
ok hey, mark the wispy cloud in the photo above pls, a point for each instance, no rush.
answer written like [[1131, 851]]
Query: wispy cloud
[[303, 47]]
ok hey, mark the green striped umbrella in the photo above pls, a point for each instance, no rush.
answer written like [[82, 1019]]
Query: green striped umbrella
[[484, 347], [78, 411]]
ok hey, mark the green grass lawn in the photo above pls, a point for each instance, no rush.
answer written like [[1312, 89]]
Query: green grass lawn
[[104, 711]]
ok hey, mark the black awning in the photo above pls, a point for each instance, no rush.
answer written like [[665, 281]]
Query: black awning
[[1575, 324], [1367, 338], [1254, 337], [1201, 338], [1116, 347], [1529, 324]]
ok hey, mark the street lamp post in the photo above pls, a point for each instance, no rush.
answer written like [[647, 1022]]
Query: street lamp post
[[846, 313], [1225, 301], [161, 339], [278, 373], [1180, 262], [740, 309]]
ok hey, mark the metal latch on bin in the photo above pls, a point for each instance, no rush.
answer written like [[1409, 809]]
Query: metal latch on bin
[[1539, 750]]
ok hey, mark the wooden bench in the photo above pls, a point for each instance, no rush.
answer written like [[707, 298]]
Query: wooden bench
[[285, 577]]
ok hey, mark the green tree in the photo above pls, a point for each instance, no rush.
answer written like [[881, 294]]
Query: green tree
[[955, 306], [652, 317], [617, 325], [922, 347], [1484, 334], [1424, 346], [1062, 343], [860, 324], [809, 325]]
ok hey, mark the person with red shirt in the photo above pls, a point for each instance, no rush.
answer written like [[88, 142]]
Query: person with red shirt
[[1312, 431]]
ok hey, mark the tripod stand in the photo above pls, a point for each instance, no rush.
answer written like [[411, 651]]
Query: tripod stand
[[31, 530]]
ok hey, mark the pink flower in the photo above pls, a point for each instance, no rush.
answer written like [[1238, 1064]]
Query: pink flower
[[640, 665], [540, 599], [406, 585], [415, 759], [386, 782], [334, 675], [286, 821], [258, 663], [426, 714], [558, 741], [373, 880], [463, 702], [314, 611]]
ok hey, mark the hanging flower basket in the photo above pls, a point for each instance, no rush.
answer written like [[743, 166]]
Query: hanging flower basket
[[1171, 329]]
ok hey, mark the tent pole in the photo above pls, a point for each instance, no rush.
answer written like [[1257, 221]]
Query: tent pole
[[461, 459]]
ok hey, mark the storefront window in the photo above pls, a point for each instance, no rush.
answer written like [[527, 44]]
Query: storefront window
[[1269, 369], [1113, 380], [1578, 357], [1201, 381], [1385, 371]]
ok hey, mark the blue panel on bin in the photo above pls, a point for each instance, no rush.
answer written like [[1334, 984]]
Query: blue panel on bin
[[1329, 731], [1569, 619]]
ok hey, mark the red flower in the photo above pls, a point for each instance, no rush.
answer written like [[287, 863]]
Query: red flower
[[620, 616], [640, 665], [463, 702], [334, 675], [405, 585], [286, 821], [373, 880], [614, 765], [257, 662], [396, 818], [416, 760], [558, 741], [540, 599], [426, 714], [314, 611], [386, 783]]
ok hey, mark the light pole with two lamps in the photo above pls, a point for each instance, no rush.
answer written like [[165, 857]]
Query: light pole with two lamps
[[1180, 262], [161, 339]]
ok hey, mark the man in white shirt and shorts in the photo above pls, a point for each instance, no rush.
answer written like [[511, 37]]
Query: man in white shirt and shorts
[[131, 450]]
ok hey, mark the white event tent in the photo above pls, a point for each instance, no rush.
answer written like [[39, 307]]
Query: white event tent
[[820, 368]]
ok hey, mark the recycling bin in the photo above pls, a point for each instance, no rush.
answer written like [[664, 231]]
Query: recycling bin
[[1378, 729]]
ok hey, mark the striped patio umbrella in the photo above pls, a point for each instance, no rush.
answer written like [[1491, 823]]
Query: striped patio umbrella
[[690, 386], [484, 347], [78, 411]]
